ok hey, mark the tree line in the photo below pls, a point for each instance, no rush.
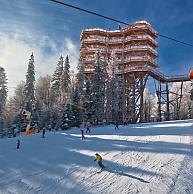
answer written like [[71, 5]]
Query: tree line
[[65, 99]]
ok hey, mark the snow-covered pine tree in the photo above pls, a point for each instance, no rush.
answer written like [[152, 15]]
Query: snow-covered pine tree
[[45, 96], [37, 115], [55, 102], [65, 81], [87, 102], [98, 88], [67, 119], [80, 77], [57, 75], [29, 90], [3, 97], [72, 84], [80, 84], [112, 89], [3, 89], [76, 109]]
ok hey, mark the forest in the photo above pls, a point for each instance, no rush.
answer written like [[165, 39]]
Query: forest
[[67, 99]]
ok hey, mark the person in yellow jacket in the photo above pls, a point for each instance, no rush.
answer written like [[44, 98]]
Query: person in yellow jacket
[[99, 160]]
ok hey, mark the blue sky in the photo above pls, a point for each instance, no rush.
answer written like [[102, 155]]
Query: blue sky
[[49, 30]]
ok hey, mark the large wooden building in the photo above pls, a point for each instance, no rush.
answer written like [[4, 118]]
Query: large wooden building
[[135, 47]]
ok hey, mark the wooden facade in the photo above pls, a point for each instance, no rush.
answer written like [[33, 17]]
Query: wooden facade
[[135, 47]]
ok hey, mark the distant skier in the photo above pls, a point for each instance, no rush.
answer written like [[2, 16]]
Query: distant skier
[[125, 123], [43, 132], [99, 159], [88, 128], [49, 128], [82, 133], [116, 126], [18, 144]]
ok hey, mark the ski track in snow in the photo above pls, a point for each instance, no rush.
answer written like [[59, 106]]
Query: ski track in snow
[[184, 176], [147, 159]]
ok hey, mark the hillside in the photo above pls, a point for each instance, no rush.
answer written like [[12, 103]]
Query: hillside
[[145, 158]]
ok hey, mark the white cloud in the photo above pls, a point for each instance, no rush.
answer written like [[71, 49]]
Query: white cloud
[[15, 56]]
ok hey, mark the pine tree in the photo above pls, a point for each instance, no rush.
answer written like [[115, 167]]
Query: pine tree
[[80, 77], [67, 119], [57, 75], [87, 102], [98, 88], [29, 90], [80, 85], [37, 115], [112, 89], [3, 89], [76, 109], [65, 81]]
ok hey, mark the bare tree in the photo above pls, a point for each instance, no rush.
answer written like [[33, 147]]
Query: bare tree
[[149, 106]]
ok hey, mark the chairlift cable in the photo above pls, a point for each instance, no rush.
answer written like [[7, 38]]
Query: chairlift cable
[[115, 20]]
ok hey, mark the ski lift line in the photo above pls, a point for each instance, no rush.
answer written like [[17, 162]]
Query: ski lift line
[[118, 21], [93, 13]]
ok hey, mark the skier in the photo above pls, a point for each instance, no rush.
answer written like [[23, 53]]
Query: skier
[[18, 144], [43, 132], [49, 128], [99, 159], [87, 128], [82, 132], [125, 123], [116, 126]]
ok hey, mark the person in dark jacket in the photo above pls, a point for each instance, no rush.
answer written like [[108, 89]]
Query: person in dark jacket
[[43, 133], [18, 144], [125, 123], [116, 125]]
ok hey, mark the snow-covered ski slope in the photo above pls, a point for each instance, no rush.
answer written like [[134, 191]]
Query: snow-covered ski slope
[[142, 158]]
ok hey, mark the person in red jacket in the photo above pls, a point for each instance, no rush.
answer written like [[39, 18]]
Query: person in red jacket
[[88, 128], [82, 132]]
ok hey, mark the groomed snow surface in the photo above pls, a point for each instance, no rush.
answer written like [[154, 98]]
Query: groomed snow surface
[[141, 158]]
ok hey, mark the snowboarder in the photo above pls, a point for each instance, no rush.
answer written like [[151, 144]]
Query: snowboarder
[[116, 126], [88, 128], [43, 132], [18, 144], [99, 159], [82, 133]]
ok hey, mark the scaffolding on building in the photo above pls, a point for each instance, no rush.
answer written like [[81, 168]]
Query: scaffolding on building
[[135, 47]]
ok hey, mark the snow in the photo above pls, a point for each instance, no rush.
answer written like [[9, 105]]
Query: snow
[[144, 158]]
